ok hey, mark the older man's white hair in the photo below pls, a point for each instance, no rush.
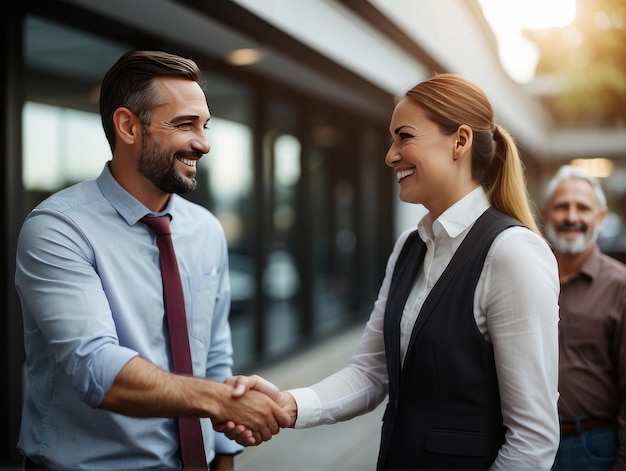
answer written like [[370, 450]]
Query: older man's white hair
[[568, 172]]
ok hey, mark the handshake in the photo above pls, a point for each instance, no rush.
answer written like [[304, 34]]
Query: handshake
[[250, 393]]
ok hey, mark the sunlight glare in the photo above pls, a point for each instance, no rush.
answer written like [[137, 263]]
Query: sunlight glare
[[508, 19]]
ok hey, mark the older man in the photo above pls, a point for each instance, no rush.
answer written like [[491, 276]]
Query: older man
[[592, 329]]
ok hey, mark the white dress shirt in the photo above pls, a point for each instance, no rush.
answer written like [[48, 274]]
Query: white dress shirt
[[516, 309]]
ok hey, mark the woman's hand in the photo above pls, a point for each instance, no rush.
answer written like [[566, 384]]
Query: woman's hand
[[241, 385]]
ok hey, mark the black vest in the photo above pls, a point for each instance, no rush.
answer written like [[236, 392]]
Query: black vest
[[444, 403]]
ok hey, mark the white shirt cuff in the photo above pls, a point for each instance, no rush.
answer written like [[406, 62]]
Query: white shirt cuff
[[309, 407]]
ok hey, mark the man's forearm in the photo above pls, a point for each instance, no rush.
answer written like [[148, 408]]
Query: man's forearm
[[142, 389]]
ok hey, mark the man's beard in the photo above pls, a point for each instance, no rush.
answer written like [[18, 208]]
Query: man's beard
[[568, 245], [158, 167]]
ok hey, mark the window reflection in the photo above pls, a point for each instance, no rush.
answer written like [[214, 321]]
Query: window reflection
[[226, 187], [228, 169], [61, 146], [281, 277], [333, 225], [287, 161]]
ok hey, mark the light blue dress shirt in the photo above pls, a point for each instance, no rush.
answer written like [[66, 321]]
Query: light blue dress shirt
[[89, 281]]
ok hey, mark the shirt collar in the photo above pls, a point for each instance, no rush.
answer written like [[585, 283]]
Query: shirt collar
[[591, 265], [457, 217], [129, 207]]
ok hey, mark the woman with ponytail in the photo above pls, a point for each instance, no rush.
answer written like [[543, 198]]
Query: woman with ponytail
[[463, 335]]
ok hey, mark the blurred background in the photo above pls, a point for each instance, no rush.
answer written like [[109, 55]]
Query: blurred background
[[301, 93]]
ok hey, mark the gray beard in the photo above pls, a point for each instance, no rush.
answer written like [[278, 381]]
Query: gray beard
[[571, 246]]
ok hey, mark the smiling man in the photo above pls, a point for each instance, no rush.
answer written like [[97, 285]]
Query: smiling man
[[104, 390], [592, 327]]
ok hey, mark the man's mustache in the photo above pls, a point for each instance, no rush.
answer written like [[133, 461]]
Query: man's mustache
[[566, 226], [191, 154]]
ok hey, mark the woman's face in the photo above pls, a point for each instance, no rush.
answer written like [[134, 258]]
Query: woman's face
[[422, 158]]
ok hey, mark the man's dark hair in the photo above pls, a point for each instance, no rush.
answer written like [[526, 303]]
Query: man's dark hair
[[128, 83]]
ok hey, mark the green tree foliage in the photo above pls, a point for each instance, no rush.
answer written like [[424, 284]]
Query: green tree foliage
[[588, 61]]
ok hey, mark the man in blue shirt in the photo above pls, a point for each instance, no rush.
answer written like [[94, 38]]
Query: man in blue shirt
[[100, 392]]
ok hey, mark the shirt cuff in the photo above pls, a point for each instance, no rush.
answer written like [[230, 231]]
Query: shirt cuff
[[309, 407], [100, 377]]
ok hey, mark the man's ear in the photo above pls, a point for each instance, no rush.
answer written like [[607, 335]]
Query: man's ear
[[127, 126], [602, 216]]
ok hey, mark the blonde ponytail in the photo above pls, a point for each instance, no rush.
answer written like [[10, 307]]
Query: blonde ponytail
[[507, 189]]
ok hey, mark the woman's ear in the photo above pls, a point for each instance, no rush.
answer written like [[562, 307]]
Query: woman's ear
[[463, 143], [126, 125]]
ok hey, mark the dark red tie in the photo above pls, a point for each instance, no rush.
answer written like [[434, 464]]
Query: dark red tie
[[190, 433]]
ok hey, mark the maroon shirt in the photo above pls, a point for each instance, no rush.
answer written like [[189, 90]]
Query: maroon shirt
[[592, 343]]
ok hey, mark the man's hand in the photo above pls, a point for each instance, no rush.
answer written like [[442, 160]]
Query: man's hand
[[250, 418], [244, 385], [143, 390]]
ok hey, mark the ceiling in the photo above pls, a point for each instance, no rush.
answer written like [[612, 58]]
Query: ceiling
[[374, 48]]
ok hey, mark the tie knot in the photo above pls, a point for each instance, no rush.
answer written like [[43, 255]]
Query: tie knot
[[160, 225]]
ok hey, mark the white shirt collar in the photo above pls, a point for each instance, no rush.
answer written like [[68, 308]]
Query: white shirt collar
[[457, 217]]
